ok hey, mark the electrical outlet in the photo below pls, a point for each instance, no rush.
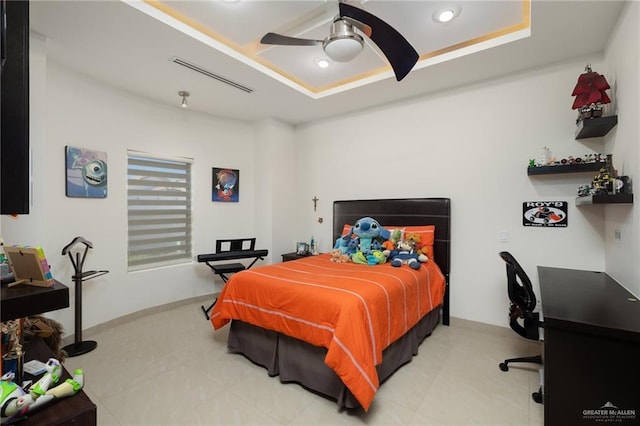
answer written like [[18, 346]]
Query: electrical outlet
[[503, 236]]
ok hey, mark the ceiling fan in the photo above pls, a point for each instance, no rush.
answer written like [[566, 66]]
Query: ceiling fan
[[343, 42]]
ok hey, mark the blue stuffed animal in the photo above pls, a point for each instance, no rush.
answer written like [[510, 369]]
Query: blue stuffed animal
[[367, 244]]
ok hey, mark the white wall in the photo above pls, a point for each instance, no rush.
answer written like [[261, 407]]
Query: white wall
[[276, 213], [71, 109], [622, 69], [471, 144]]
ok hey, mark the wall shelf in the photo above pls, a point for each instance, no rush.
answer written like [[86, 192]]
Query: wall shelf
[[595, 127], [569, 168], [605, 199]]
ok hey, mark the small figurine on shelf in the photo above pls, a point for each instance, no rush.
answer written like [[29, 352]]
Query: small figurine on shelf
[[590, 93], [545, 155], [585, 190], [602, 182]]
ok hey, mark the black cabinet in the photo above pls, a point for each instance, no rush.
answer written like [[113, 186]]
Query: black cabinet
[[77, 409], [14, 112], [591, 349], [293, 256], [24, 300]]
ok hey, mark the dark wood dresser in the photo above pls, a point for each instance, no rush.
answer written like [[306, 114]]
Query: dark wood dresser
[[74, 410], [25, 300], [591, 349]]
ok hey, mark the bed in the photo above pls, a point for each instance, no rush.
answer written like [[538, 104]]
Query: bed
[[391, 310]]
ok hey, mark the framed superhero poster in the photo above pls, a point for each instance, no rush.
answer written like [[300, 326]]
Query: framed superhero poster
[[226, 185], [86, 173], [549, 214]]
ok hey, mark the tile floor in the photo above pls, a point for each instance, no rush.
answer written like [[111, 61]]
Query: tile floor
[[169, 367]]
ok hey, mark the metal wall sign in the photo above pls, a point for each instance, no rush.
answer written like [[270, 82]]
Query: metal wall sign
[[547, 214]]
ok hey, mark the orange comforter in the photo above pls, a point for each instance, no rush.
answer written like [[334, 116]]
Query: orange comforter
[[355, 311]]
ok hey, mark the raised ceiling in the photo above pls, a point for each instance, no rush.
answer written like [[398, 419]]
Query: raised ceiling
[[133, 45], [240, 25]]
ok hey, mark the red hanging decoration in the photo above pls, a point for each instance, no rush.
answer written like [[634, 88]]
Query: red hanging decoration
[[590, 93]]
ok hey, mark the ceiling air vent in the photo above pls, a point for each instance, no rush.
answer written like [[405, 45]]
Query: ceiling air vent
[[208, 73]]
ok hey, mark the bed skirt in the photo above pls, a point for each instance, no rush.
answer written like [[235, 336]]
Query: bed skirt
[[296, 361]]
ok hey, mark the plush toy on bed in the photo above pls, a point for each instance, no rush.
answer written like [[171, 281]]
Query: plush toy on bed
[[376, 257], [366, 246], [416, 242], [339, 257], [345, 246], [394, 236], [406, 254]]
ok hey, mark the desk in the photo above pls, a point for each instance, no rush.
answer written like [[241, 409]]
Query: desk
[[24, 300], [591, 349]]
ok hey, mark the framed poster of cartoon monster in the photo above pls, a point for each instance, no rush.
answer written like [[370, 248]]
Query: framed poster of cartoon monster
[[226, 185], [86, 173]]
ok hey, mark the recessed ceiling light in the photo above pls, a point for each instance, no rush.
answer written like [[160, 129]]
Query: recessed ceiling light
[[322, 63], [446, 14]]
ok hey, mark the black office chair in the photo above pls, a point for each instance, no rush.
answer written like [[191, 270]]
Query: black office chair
[[522, 318]]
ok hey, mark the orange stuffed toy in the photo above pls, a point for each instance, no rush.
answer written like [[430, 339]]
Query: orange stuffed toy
[[416, 242]]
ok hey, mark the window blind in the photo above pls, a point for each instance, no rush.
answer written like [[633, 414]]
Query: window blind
[[159, 211]]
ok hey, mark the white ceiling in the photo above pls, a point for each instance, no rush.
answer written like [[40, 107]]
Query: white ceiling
[[131, 44]]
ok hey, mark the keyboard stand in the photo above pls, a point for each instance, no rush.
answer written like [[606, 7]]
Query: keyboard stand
[[223, 270]]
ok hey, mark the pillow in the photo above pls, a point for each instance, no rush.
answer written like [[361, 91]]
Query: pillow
[[427, 236]]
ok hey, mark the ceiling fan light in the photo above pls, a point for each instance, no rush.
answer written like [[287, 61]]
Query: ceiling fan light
[[343, 49], [343, 44]]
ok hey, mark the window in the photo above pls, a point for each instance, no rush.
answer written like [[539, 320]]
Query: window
[[159, 210]]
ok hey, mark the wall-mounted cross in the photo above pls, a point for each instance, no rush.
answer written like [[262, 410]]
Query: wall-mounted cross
[[315, 202]]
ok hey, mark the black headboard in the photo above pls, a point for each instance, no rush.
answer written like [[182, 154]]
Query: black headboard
[[409, 212]]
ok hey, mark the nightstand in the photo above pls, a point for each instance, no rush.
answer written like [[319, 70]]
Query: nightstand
[[293, 256]]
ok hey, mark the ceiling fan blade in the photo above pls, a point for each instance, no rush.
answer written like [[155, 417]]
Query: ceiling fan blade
[[273, 38], [399, 52]]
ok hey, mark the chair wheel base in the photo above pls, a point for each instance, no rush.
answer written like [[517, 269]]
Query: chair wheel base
[[503, 366]]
